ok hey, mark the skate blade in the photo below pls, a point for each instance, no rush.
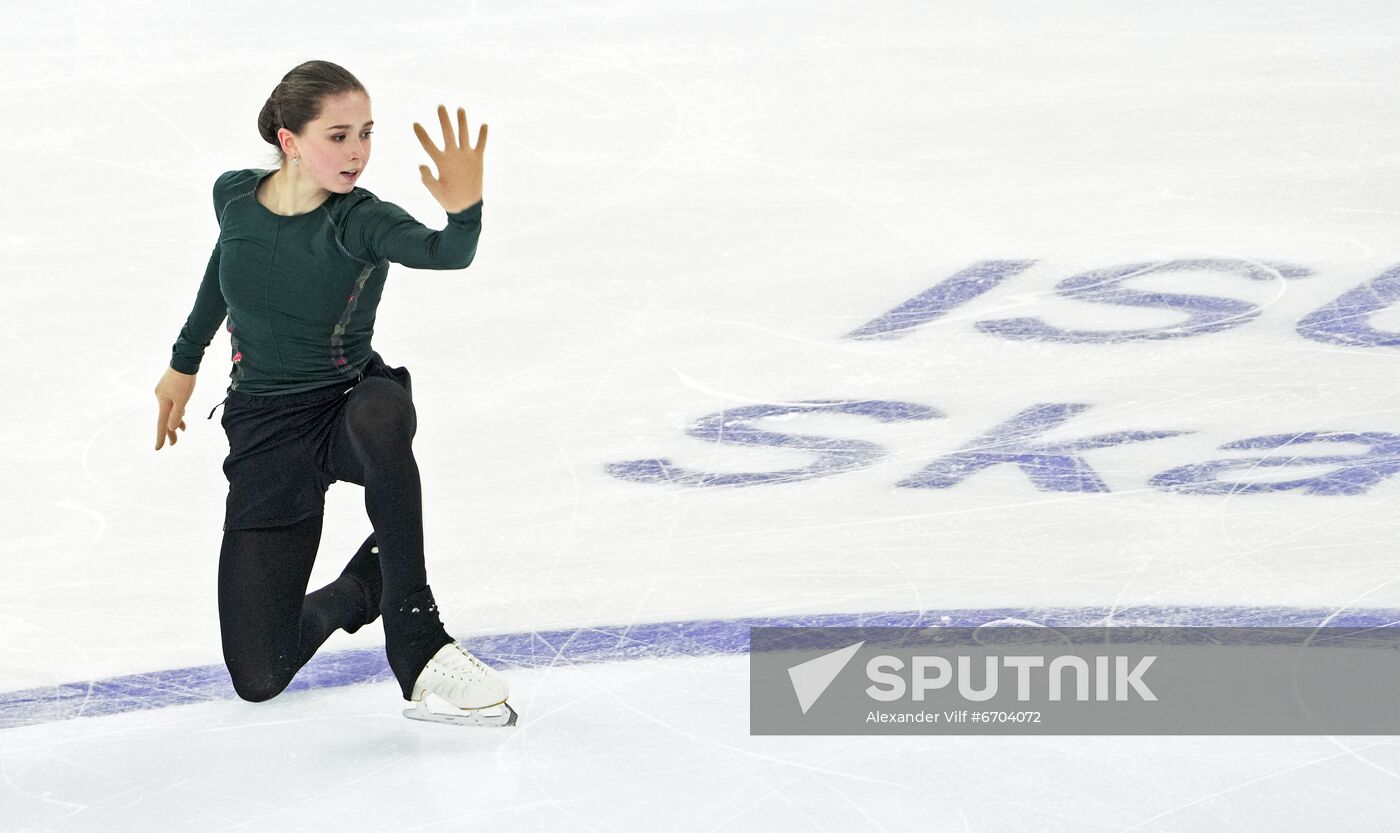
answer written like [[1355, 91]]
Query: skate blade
[[499, 715]]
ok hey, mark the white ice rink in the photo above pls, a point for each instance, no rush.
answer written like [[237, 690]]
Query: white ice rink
[[705, 213]]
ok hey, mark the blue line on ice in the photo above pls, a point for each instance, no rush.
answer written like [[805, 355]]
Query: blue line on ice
[[698, 637]]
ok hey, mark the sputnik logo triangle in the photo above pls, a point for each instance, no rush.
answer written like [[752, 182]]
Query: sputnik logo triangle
[[811, 678]]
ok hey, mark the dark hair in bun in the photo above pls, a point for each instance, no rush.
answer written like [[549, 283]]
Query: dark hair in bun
[[300, 97]]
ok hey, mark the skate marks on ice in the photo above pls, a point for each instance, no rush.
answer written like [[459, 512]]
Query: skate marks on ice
[[696, 637]]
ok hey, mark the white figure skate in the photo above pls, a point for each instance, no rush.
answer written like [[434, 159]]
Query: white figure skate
[[457, 688]]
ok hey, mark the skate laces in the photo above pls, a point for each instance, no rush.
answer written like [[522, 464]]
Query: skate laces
[[460, 659], [457, 676]]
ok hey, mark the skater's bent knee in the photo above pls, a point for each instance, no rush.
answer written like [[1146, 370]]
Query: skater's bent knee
[[257, 691], [383, 409]]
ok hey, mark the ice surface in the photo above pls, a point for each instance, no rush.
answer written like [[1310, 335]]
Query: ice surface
[[707, 221]]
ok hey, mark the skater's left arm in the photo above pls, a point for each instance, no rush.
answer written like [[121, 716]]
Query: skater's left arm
[[387, 232], [390, 233]]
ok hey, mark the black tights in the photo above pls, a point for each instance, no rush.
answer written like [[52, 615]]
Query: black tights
[[270, 626]]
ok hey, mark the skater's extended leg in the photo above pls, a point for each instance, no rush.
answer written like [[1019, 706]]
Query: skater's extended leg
[[270, 628], [373, 446]]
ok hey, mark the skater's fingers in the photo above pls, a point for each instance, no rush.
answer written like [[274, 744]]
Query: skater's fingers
[[429, 181], [162, 420], [449, 139], [426, 142], [481, 141], [171, 419]]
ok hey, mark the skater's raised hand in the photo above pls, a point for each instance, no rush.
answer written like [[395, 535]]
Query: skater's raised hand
[[173, 393], [458, 183]]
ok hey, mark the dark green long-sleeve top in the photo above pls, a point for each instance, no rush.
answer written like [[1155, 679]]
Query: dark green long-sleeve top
[[300, 292]]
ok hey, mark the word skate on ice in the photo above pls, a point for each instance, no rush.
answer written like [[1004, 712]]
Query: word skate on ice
[[456, 687]]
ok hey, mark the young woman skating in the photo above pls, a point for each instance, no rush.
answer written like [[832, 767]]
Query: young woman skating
[[298, 271]]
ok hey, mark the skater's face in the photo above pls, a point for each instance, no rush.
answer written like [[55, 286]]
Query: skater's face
[[338, 140]]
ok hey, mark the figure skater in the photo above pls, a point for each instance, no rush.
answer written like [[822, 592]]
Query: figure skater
[[298, 270]]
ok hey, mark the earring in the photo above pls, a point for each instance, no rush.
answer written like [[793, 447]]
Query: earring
[[296, 160]]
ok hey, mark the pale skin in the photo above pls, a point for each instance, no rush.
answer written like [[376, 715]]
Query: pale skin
[[339, 140]]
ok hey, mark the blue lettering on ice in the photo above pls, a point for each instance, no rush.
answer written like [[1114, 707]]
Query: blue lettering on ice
[[1344, 321], [1353, 475], [732, 427], [1051, 466], [1205, 313], [936, 301]]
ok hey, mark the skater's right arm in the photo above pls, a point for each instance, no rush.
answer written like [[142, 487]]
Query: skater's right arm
[[204, 320], [175, 388]]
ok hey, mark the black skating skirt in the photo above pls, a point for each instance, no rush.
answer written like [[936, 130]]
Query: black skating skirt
[[278, 446]]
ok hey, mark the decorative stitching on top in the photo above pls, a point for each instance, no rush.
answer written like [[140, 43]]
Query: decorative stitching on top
[[337, 234], [236, 198], [338, 359], [231, 201], [237, 357], [377, 200]]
